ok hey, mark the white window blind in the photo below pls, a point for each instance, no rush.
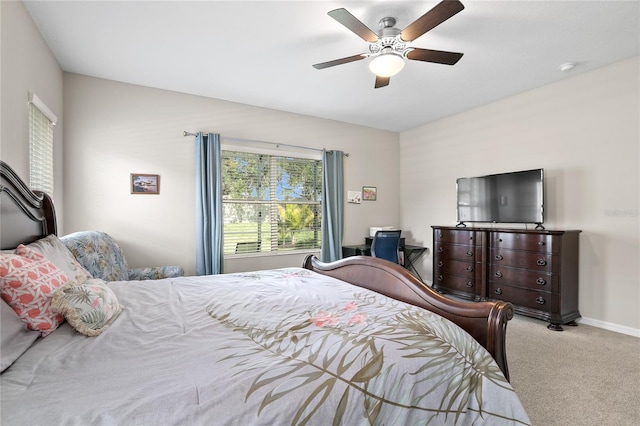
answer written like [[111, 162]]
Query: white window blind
[[41, 122], [271, 203]]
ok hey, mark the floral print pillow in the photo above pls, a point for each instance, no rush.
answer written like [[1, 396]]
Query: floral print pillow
[[28, 282], [90, 307]]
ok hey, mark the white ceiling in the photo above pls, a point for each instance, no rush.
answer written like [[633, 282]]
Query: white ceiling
[[260, 52]]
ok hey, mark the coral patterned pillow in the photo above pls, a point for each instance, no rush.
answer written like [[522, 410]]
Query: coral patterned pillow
[[27, 284]]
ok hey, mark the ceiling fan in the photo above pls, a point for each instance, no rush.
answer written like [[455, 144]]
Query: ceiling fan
[[389, 46]]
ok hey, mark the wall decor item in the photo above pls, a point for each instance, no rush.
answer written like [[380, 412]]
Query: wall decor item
[[145, 183], [354, 197], [369, 193]]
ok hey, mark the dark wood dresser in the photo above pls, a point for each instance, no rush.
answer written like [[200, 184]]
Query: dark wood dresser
[[458, 266], [536, 270]]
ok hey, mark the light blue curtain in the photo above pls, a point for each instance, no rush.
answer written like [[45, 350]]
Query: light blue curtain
[[209, 216], [332, 205]]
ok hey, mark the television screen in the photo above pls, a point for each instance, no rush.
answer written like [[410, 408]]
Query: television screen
[[515, 197]]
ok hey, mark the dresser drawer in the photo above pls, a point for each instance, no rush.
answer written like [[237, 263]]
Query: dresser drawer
[[526, 260], [457, 251], [526, 298], [457, 267], [542, 281], [456, 237], [541, 243], [456, 282]]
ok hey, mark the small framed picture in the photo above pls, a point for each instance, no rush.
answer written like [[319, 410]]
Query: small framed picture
[[354, 197], [369, 193], [145, 183]]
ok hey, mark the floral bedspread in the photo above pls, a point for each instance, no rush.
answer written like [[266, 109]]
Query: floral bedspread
[[278, 347]]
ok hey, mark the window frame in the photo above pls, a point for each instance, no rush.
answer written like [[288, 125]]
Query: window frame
[[275, 250], [41, 121]]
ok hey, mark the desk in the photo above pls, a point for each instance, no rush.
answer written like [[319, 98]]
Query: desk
[[411, 254], [357, 250]]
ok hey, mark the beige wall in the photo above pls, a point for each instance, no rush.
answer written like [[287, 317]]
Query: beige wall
[[584, 131], [114, 129], [27, 65]]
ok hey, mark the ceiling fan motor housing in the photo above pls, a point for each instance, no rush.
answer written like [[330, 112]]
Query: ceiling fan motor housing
[[389, 40]]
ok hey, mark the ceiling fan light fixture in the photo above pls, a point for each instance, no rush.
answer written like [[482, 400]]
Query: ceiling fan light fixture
[[386, 64]]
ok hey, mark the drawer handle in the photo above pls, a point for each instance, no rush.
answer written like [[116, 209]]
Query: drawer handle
[[471, 238], [541, 243], [541, 281], [541, 262], [540, 301], [440, 277], [440, 263], [440, 249], [498, 291], [498, 274], [469, 253], [500, 239], [469, 284], [469, 268], [499, 257]]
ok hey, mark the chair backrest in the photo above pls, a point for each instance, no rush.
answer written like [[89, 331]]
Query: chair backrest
[[248, 247], [386, 245], [99, 254]]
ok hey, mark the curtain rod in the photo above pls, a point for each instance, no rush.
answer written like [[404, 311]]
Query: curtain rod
[[186, 133]]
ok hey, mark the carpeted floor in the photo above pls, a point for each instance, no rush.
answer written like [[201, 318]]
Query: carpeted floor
[[581, 376]]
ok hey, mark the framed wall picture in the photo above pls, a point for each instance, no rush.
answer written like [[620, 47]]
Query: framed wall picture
[[369, 193], [145, 183], [354, 197]]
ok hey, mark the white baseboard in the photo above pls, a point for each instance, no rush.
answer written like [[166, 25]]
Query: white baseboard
[[610, 326], [635, 332]]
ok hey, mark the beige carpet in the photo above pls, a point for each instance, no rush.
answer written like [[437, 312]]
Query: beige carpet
[[581, 376]]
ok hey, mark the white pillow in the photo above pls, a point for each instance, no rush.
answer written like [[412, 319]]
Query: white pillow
[[15, 338], [57, 253]]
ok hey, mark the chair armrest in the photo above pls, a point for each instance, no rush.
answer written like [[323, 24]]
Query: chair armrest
[[155, 273]]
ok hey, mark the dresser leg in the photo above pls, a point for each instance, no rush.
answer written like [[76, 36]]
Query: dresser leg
[[558, 327]]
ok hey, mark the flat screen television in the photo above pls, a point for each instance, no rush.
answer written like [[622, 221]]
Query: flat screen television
[[515, 197]]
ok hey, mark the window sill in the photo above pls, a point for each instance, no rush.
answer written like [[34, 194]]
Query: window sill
[[270, 254]]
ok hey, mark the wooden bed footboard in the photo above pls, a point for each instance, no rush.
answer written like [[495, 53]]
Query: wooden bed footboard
[[484, 321]]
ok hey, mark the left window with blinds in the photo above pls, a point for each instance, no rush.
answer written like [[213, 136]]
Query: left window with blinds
[[41, 122]]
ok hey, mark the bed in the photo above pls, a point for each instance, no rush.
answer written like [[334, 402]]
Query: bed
[[354, 342]]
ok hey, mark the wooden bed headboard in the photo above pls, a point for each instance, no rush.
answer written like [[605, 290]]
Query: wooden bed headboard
[[25, 215]]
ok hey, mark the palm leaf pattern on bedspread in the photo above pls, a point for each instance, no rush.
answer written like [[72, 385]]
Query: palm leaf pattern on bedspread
[[349, 356]]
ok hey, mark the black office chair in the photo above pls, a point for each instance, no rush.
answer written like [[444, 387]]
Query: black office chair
[[386, 245]]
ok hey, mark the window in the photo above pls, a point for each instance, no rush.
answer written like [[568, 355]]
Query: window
[[271, 203], [41, 122]]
